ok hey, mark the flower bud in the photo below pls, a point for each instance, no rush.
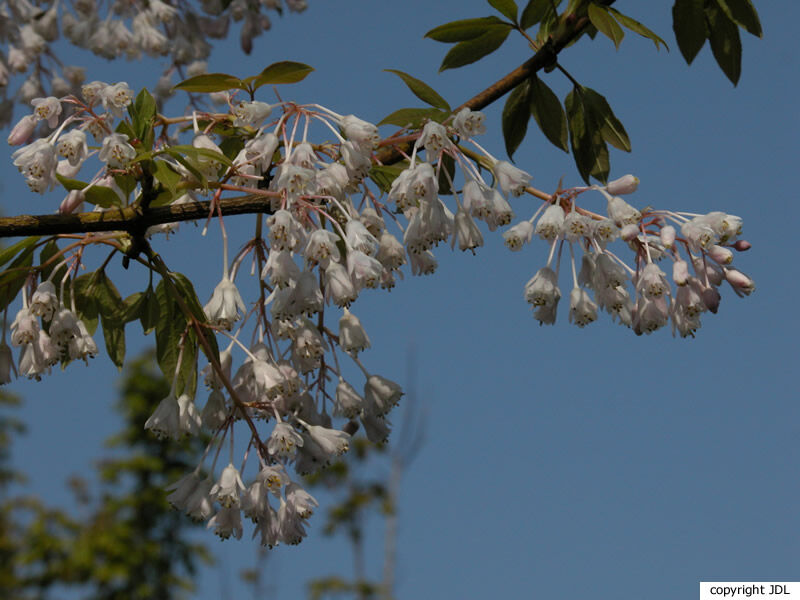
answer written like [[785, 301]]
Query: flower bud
[[680, 272], [626, 184], [629, 232], [667, 235], [742, 245], [22, 130]]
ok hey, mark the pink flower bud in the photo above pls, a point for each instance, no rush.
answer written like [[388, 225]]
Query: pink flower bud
[[71, 202], [22, 130], [740, 282], [626, 184], [720, 254], [711, 298], [742, 245]]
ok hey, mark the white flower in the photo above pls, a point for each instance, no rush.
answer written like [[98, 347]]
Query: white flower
[[667, 236], [199, 505], [511, 179], [338, 285], [281, 269], [225, 305], [215, 412], [551, 223], [423, 263], [116, 97], [173, 417], [227, 522], [519, 234], [348, 402], [434, 139], [226, 491], [64, 327], [261, 149], [582, 310], [116, 151], [321, 247], [391, 253], [47, 109], [361, 132], [37, 162], [44, 300], [183, 490], [24, 328], [359, 237], [604, 231], [332, 441], [468, 123], [652, 282], [741, 283], [352, 337], [300, 501], [621, 212], [72, 146], [306, 295], [466, 231], [576, 226], [381, 394], [250, 113], [543, 293], [650, 314], [285, 232], [283, 441], [364, 271], [356, 161]]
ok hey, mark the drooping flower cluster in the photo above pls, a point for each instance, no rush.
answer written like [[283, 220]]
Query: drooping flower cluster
[[328, 237]]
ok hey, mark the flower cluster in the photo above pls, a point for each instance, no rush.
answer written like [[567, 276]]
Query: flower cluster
[[329, 237]]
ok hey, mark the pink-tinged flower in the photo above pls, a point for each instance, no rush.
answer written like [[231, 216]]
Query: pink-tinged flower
[[47, 109], [511, 179], [627, 184], [225, 305], [22, 131], [720, 254], [423, 263], [741, 283]]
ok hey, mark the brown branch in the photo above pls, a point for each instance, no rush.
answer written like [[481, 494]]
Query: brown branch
[[134, 220], [129, 219]]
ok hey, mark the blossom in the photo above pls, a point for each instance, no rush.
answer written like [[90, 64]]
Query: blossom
[[250, 113], [465, 231], [469, 123], [361, 132], [621, 212], [116, 97], [582, 310], [551, 223], [434, 139], [37, 162], [116, 151], [44, 300], [543, 293], [348, 402], [511, 179], [626, 184], [518, 235], [225, 305], [352, 337], [47, 109], [22, 131], [227, 522], [338, 285], [228, 488], [174, 416], [381, 394], [72, 146], [283, 441], [332, 441]]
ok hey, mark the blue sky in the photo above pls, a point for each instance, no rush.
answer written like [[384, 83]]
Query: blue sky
[[558, 462]]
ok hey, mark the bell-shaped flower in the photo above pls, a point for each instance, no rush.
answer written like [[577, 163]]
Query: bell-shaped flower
[[283, 441], [225, 305], [227, 522], [434, 139], [519, 234], [116, 151], [321, 247], [228, 488], [47, 109], [352, 337], [250, 113], [332, 441], [361, 132], [24, 328], [37, 162], [261, 149], [551, 223], [281, 269], [44, 300], [300, 501], [381, 394], [364, 271], [543, 293], [183, 489], [360, 238], [582, 310], [469, 123], [576, 226], [348, 402], [511, 180], [116, 97], [423, 263], [391, 253], [215, 413], [466, 232], [285, 233], [652, 282], [72, 146], [339, 287], [199, 505]]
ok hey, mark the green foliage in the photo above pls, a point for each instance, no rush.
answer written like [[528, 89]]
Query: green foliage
[[422, 90], [128, 544], [276, 73]]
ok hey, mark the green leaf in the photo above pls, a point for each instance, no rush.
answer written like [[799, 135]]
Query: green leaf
[[465, 53], [85, 301], [507, 7], [169, 330], [535, 11], [689, 25], [6, 254], [422, 90], [588, 148], [549, 114], [606, 24], [282, 72], [413, 118], [114, 336], [725, 43], [743, 13], [150, 311], [167, 177], [516, 114], [143, 113], [384, 175], [210, 82], [461, 31], [13, 278], [604, 119], [196, 153], [448, 167], [106, 296], [189, 296], [637, 27], [131, 307], [98, 195]]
